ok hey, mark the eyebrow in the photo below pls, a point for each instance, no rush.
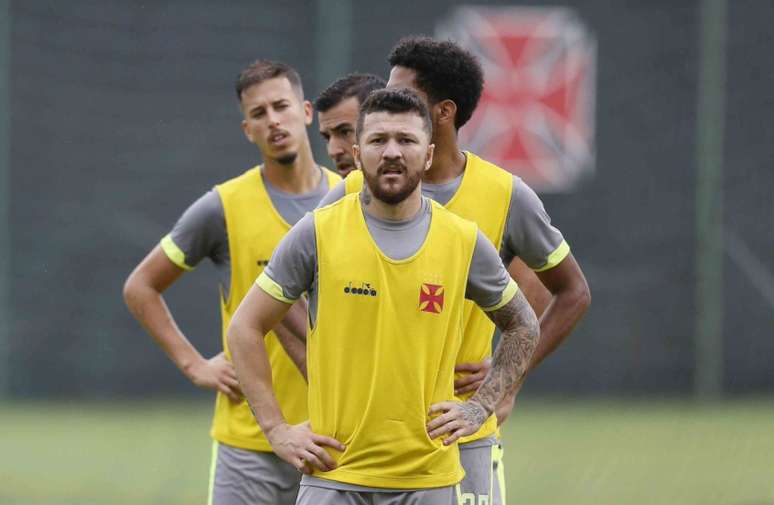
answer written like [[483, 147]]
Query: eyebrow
[[338, 127], [342, 126]]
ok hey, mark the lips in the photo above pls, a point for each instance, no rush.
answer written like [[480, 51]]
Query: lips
[[392, 170], [344, 167], [278, 137]]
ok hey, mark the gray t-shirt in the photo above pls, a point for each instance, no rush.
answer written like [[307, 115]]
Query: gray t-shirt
[[201, 230], [528, 231], [294, 263]]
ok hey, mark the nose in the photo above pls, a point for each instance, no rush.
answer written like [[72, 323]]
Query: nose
[[335, 147], [272, 116], [392, 150]]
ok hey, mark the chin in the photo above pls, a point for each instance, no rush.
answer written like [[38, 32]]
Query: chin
[[286, 159]]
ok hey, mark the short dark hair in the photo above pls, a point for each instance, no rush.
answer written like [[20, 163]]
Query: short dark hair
[[445, 71], [394, 101], [263, 70], [359, 85]]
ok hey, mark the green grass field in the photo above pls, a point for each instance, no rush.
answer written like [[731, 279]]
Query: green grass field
[[578, 452]]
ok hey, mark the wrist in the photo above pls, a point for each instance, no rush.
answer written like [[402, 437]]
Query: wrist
[[484, 409], [272, 429], [189, 364]]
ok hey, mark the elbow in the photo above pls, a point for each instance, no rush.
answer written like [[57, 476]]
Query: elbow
[[578, 296], [236, 335], [232, 335], [583, 297], [131, 288]]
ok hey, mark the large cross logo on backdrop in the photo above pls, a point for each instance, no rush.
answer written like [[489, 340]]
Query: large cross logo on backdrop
[[536, 115]]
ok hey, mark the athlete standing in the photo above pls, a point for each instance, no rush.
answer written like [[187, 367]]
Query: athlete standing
[[387, 272], [237, 225], [507, 211]]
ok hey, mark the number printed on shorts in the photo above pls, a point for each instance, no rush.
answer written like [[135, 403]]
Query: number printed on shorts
[[473, 499]]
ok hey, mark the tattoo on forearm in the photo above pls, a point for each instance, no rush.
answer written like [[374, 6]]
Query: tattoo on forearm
[[473, 413], [521, 332]]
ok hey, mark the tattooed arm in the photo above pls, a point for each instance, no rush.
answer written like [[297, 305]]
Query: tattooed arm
[[520, 335]]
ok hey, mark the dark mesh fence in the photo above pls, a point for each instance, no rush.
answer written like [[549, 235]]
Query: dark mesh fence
[[124, 113]]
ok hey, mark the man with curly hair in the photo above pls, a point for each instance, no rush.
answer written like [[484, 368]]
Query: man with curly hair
[[508, 212]]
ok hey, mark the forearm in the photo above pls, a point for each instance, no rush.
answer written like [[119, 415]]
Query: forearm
[[520, 335], [294, 347], [251, 362], [504, 408], [291, 333], [147, 305], [558, 321]]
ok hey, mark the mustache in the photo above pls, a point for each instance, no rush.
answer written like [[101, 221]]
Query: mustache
[[391, 165], [276, 131]]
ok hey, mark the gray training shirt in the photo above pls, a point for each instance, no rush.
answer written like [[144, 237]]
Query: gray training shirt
[[294, 263], [201, 230], [528, 230]]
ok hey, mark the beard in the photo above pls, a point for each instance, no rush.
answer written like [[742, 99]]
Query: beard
[[287, 159], [392, 195]]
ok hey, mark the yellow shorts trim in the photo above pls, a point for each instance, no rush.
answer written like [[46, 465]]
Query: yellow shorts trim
[[497, 461], [213, 465]]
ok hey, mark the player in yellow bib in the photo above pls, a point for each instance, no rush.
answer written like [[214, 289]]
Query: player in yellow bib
[[387, 272], [506, 210], [238, 225]]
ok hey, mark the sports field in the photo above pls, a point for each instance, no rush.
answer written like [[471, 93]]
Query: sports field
[[575, 452]]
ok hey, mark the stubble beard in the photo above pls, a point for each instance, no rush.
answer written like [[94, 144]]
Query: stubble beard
[[287, 159], [392, 197]]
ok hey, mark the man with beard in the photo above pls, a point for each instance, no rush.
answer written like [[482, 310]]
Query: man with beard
[[450, 81], [387, 271], [337, 108], [237, 225]]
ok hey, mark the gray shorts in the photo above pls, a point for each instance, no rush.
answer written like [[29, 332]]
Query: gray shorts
[[243, 477], [314, 495], [484, 482]]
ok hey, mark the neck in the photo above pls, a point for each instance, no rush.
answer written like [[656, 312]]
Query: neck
[[448, 159], [301, 176], [402, 211]]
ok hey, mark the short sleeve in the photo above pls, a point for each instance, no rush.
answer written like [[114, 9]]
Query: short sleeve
[[529, 233], [199, 233], [489, 284], [293, 264]]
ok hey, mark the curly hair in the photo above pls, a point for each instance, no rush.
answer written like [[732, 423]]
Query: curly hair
[[444, 70], [395, 101], [263, 70], [359, 85]]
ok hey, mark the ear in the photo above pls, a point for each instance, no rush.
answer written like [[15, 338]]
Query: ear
[[430, 151], [308, 112], [445, 112], [246, 131], [356, 155]]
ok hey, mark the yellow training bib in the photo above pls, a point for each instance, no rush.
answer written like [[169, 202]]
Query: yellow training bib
[[383, 347], [484, 197], [254, 229]]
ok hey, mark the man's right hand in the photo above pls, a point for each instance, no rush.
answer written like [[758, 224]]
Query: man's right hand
[[217, 374], [303, 448]]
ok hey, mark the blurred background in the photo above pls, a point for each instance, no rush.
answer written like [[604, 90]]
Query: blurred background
[[644, 125]]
